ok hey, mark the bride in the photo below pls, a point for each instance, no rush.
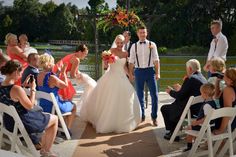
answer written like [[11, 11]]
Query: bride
[[113, 106]]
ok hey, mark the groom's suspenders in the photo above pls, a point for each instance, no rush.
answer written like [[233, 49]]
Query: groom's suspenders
[[136, 54], [150, 54], [149, 60]]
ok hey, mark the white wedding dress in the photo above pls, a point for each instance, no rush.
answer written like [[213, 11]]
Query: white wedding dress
[[112, 106]]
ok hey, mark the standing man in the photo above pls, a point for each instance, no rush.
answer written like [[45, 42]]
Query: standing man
[[144, 67], [128, 43], [219, 43]]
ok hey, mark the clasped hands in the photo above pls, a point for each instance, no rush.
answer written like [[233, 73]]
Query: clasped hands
[[175, 87]]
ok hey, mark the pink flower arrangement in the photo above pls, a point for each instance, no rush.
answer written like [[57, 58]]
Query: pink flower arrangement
[[108, 57]]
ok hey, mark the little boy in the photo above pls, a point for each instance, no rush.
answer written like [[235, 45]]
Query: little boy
[[207, 93]]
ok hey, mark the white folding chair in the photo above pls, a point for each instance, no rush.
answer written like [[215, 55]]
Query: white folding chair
[[26, 148], [226, 145], [55, 109], [191, 101], [205, 131]]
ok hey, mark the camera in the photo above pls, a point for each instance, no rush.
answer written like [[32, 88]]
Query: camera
[[31, 79]]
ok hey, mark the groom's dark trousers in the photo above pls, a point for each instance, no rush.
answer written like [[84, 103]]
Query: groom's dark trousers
[[147, 75]]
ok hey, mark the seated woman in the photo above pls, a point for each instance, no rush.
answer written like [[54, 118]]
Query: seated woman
[[227, 99], [73, 61], [25, 46], [14, 51], [35, 121], [49, 82]]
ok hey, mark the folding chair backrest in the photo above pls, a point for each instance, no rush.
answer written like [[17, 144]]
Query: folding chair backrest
[[55, 108], [195, 100], [224, 112], [206, 128], [191, 101], [18, 131]]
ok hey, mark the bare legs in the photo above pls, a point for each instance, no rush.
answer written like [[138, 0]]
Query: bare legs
[[70, 119], [50, 134]]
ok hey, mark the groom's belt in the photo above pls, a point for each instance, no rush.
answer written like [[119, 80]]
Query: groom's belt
[[144, 68]]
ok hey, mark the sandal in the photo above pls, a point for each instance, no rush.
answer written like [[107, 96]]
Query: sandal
[[49, 154]]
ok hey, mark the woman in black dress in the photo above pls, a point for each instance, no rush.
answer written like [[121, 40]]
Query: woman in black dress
[[34, 120]]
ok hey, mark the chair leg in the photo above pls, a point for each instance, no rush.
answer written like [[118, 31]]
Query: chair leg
[[217, 146], [1, 138], [209, 141], [64, 127]]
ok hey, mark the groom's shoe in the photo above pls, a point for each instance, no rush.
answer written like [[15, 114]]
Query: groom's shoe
[[154, 122]]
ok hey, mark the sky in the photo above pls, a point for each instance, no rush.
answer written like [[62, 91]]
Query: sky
[[78, 3]]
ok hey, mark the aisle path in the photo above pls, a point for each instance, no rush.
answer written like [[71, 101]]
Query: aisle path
[[146, 140]]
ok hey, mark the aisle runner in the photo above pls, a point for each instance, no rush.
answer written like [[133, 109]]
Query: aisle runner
[[139, 143]]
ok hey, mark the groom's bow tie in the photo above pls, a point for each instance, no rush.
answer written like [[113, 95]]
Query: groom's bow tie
[[142, 42]]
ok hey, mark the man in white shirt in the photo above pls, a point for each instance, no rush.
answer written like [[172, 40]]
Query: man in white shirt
[[145, 60], [219, 44]]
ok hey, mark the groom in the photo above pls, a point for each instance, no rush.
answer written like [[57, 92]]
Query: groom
[[144, 67]]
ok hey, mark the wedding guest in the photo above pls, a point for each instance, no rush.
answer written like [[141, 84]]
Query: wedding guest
[[145, 60], [73, 62], [207, 93], [217, 69], [3, 60], [23, 41], [227, 99], [14, 51], [128, 43], [219, 44], [32, 68], [35, 121], [25, 46], [190, 87], [48, 82]]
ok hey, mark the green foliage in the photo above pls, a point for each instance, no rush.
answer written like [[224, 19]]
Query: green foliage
[[162, 50]]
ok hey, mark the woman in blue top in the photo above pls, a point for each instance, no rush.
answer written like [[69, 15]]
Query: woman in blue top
[[48, 82]]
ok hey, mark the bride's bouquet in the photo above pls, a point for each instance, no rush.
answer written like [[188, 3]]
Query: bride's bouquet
[[108, 57]]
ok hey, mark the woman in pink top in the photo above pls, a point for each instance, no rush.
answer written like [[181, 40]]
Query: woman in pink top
[[14, 51], [72, 61]]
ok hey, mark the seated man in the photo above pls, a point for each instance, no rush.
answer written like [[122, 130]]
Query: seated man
[[191, 87], [32, 68]]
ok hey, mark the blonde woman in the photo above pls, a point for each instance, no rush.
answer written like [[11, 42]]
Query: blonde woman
[[14, 51], [49, 82]]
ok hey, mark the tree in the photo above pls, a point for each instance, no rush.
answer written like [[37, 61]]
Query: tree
[[62, 23], [26, 15]]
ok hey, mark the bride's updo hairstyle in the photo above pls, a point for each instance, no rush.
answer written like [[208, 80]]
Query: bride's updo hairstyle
[[10, 67], [121, 37]]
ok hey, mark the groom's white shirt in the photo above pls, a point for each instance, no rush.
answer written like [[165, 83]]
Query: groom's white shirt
[[143, 52], [219, 47]]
